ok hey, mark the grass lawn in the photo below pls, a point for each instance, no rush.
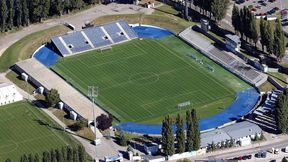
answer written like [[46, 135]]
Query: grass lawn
[[25, 129], [15, 78], [65, 118], [144, 80], [25, 47], [267, 86], [281, 78]]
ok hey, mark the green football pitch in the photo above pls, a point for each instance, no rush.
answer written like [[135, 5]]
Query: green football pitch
[[144, 80], [27, 130]]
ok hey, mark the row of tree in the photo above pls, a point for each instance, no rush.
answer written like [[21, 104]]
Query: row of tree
[[192, 140], [282, 112], [65, 154], [271, 36], [217, 8], [17, 13]]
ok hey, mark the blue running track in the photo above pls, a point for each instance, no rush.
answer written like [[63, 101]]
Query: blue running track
[[244, 102], [151, 32]]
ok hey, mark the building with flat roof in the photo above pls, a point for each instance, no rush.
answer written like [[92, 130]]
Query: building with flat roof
[[242, 133], [232, 42], [215, 136], [9, 94]]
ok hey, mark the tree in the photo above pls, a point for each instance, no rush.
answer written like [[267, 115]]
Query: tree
[[53, 156], [180, 135], [104, 121], [69, 154], [8, 160], [10, 7], [213, 146], [57, 7], [263, 36], [75, 155], [25, 13], [24, 158], [122, 139], [236, 18], [30, 158], [168, 136], [46, 157], [36, 11], [195, 130], [64, 153], [3, 15], [189, 129], [284, 160], [18, 13], [45, 7], [36, 158], [79, 125], [282, 113], [254, 31], [279, 45], [52, 97], [81, 153], [219, 9], [270, 38], [232, 143], [59, 155], [164, 134]]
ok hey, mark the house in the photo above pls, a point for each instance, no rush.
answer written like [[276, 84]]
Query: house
[[232, 42], [9, 94]]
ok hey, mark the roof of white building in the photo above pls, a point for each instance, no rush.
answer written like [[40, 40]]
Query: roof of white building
[[242, 129]]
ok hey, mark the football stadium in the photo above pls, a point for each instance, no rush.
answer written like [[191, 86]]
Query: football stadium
[[144, 73]]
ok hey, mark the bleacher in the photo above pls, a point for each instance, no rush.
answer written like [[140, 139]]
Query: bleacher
[[94, 38], [226, 59]]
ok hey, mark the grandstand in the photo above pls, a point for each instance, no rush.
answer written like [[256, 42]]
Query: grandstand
[[226, 59], [93, 38]]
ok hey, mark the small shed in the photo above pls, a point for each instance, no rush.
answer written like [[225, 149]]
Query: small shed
[[60, 105], [232, 42], [151, 148], [73, 115], [24, 76]]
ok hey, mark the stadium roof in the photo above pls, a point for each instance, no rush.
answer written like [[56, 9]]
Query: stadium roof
[[69, 95], [92, 38]]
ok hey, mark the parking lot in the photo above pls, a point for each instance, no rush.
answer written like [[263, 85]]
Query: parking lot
[[263, 6], [264, 156]]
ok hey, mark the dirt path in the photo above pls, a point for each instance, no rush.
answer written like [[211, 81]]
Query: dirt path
[[77, 20]]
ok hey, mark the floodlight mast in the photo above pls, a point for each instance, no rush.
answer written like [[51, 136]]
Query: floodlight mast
[[93, 93]]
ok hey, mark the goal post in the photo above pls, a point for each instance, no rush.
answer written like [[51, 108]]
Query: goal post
[[105, 48]]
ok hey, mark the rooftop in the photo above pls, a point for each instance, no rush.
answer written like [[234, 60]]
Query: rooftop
[[234, 38], [68, 94], [242, 129]]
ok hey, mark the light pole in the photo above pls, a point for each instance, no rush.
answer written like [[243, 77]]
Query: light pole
[[92, 93]]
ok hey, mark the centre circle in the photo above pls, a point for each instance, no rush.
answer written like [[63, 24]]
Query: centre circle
[[144, 78]]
